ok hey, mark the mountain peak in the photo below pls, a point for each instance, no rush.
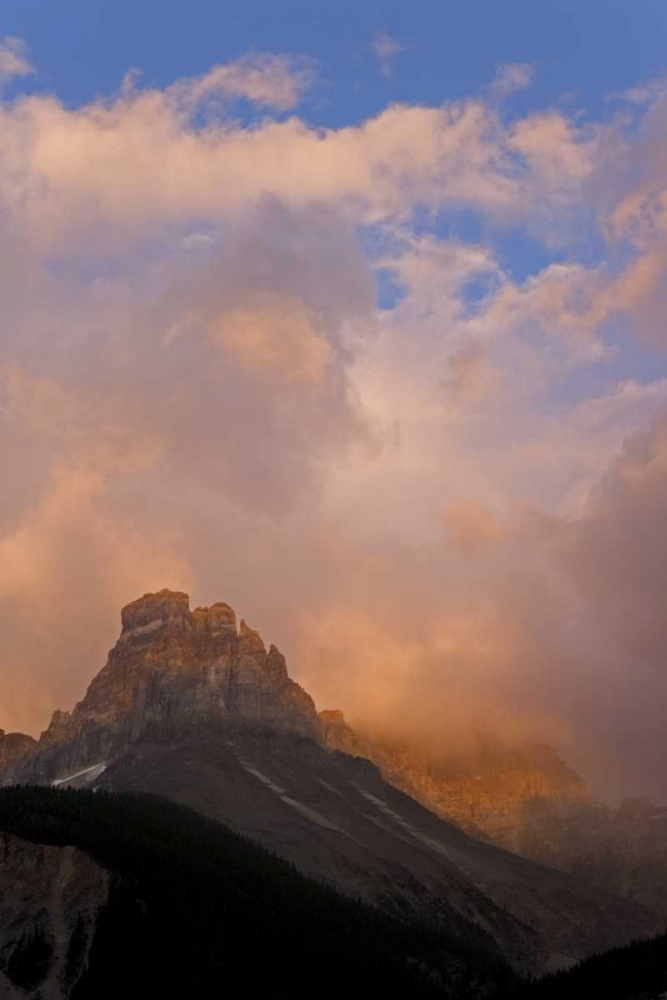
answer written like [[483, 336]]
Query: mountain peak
[[161, 607], [173, 670], [59, 720], [219, 619], [333, 716]]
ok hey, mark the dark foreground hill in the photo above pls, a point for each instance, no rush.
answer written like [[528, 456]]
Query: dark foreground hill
[[636, 972], [106, 895]]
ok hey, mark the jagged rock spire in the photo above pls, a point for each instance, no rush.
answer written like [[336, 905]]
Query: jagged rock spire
[[175, 668]]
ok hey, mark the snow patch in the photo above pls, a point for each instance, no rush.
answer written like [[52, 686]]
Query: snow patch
[[331, 788], [431, 842], [88, 774], [142, 629], [311, 814], [263, 778]]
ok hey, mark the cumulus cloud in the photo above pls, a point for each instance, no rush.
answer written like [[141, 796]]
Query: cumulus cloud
[[142, 162], [274, 333], [469, 526], [251, 361]]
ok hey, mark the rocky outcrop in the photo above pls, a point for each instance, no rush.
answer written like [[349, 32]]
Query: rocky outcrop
[[14, 748], [50, 901], [168, 607], [171, 668]]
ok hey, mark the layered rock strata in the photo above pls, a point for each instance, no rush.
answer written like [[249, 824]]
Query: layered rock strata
[[171, 667]]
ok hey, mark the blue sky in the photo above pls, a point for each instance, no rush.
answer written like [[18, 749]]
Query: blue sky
[[585, 49]]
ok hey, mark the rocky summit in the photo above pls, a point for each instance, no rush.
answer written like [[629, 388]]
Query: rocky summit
[[199, 711], [171, 668]]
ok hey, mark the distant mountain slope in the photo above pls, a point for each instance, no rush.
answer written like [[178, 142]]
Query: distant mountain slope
[[486, 790], [336, 819], [525, 799], [161, 902], [622, 849], [191, 708]]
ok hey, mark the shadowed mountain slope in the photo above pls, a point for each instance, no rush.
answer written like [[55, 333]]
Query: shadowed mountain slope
[[194, 710], [155, 900], [524, 798]]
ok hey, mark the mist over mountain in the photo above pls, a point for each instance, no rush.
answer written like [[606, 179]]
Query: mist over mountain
[[524, 798], [196, 710]]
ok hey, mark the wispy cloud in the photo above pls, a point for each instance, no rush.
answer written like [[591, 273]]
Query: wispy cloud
[[511, 77], [386, 48], [13, 59], [264, 78]]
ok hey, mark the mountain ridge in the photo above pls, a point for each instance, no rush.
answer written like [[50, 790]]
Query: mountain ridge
[[192, 708], [525, 799], [485, 791]]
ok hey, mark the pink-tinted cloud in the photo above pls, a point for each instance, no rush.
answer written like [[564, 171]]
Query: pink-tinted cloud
[[446, 508], [14, 60], [386, 48]]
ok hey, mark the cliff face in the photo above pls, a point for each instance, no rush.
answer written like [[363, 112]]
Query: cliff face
[[14, 748], [171, 667], [50, 902]]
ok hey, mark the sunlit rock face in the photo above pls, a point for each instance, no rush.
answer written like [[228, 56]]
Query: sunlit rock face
[[487, 792], [171, 667]]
